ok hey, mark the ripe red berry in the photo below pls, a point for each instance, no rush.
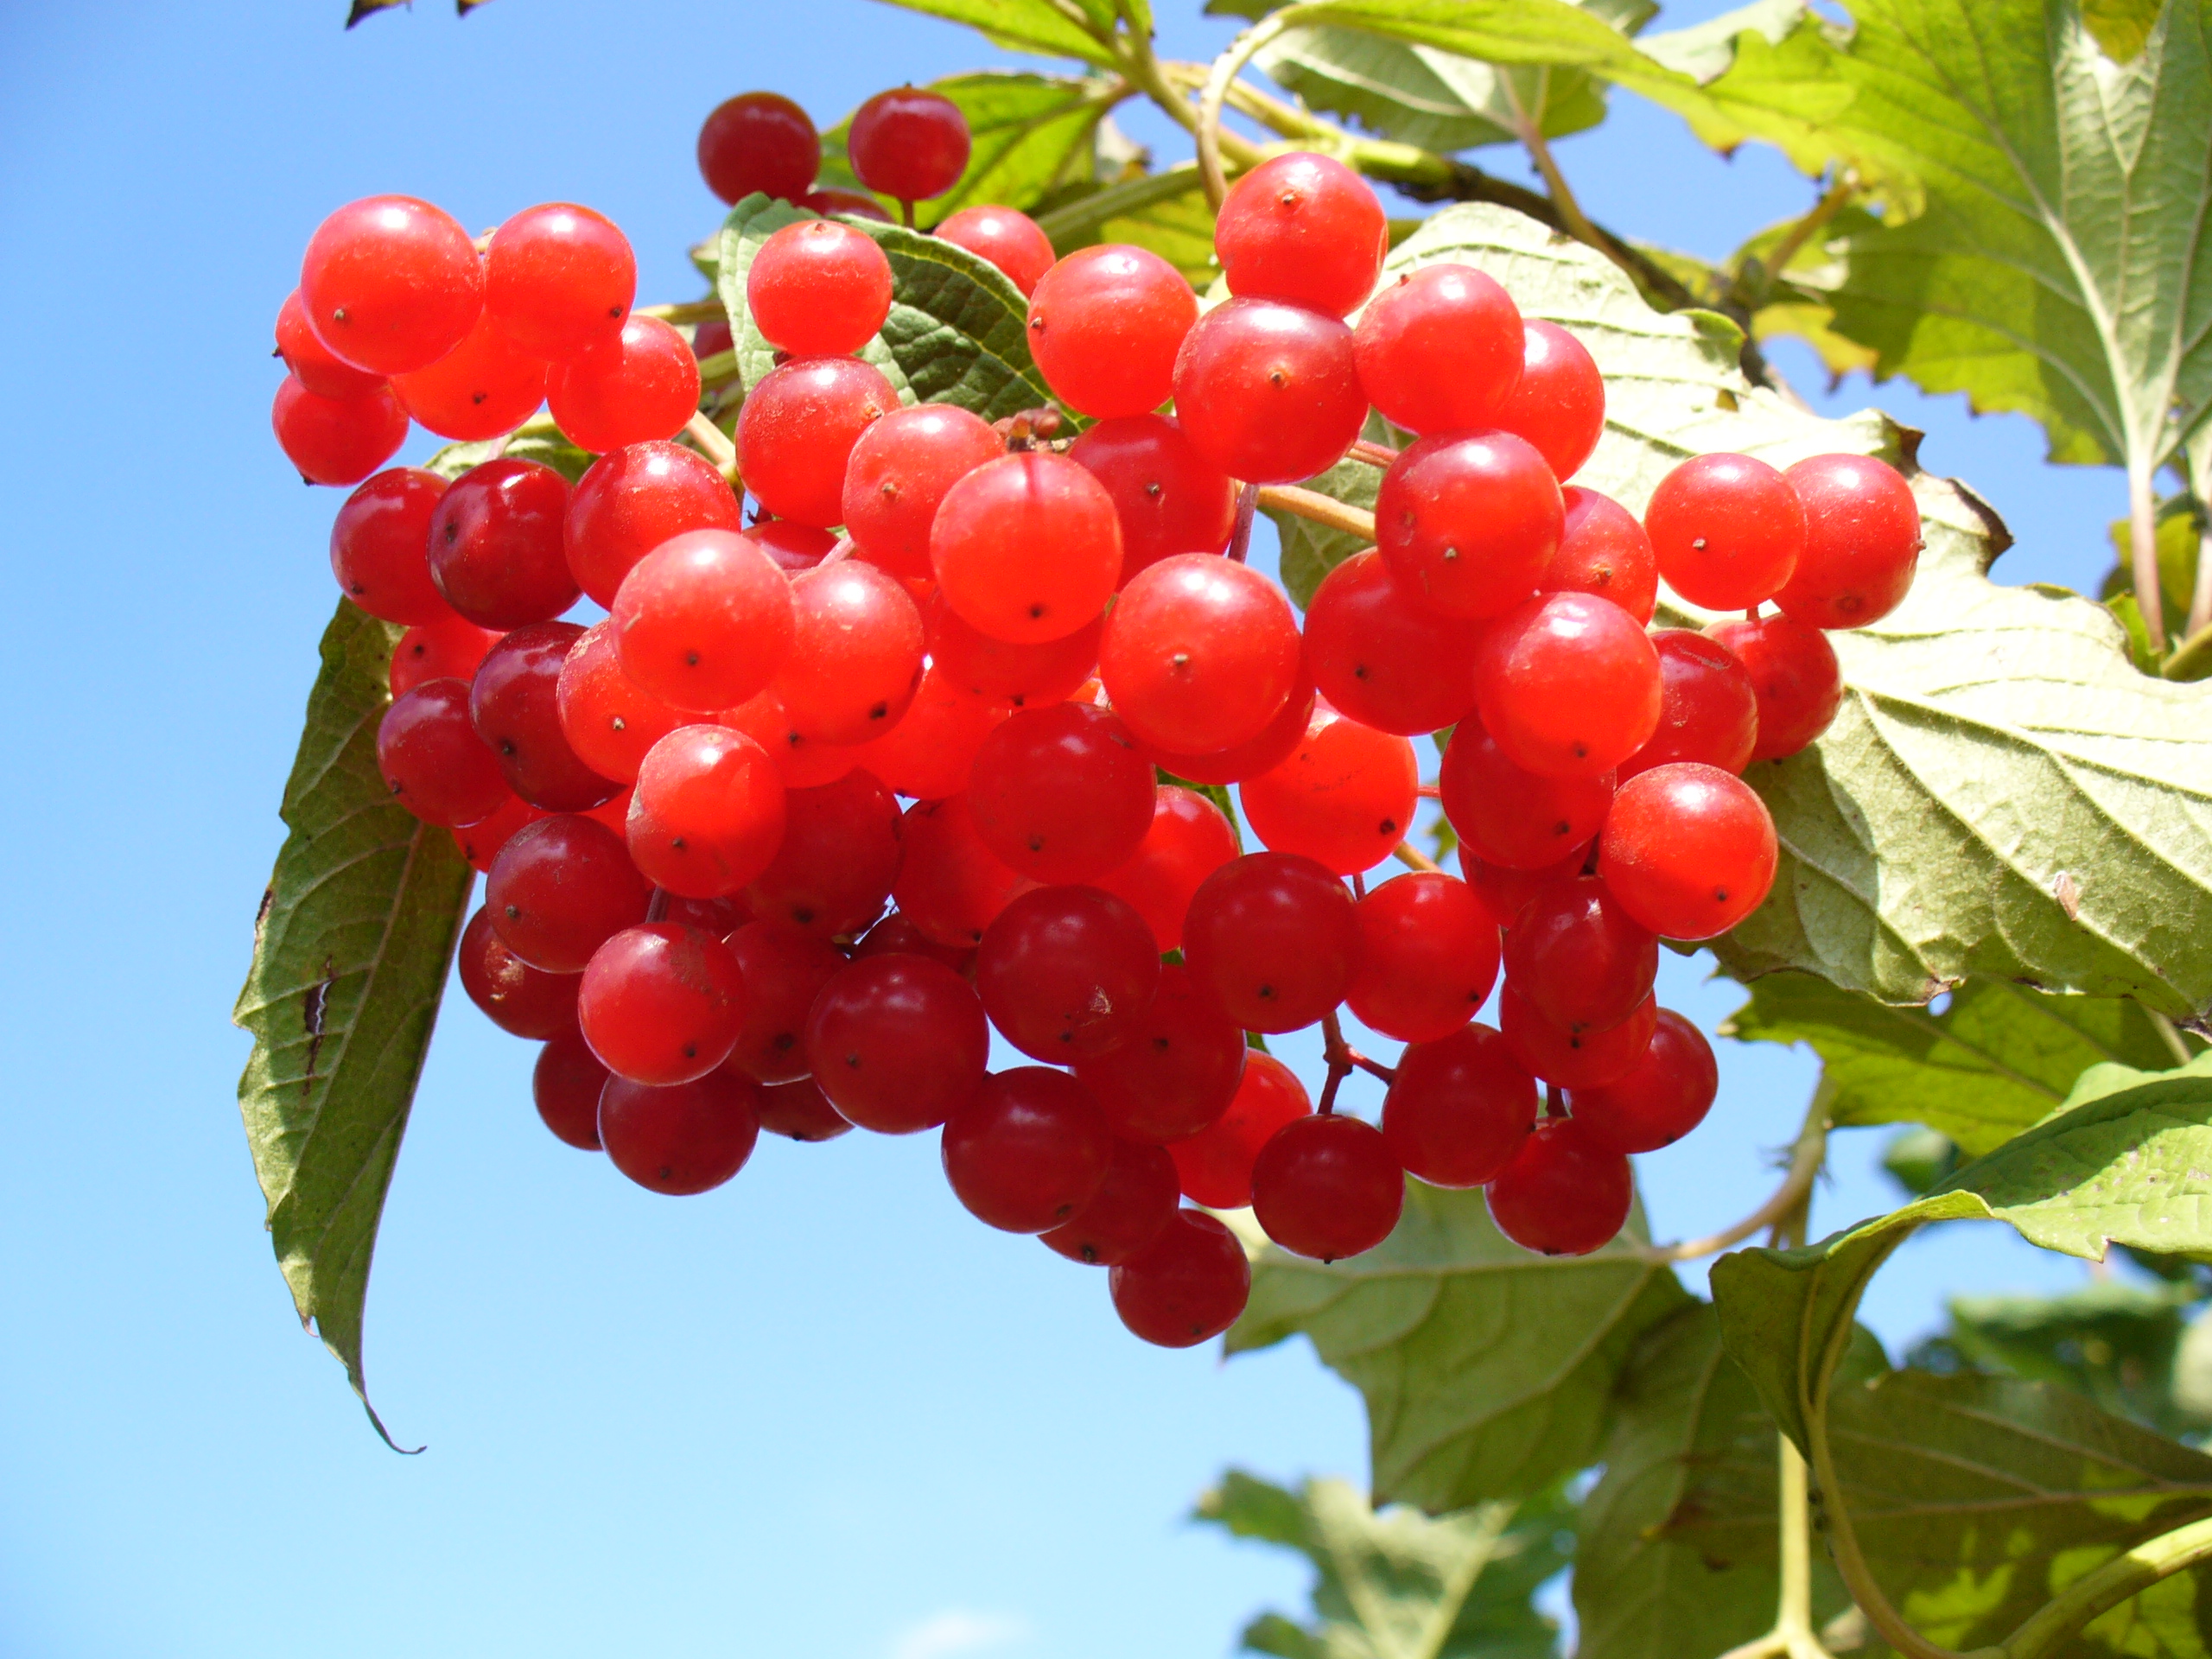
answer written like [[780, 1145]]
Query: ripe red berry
[[1272, 939], [951, 885], [907, 144], [685, 1139], [520, 1000], [1010, 240], [480, 843], [1268, 392], [558, 279], [1862, 542], [819, 289], [782, 970], [897, 1042], [800, 1111], [801, 762], [793, 547], [1568, 685], [895, 936], [661, 1003], [1177, 1072], [1327, 1187], [562, 888], [1603, 550], [1559, 403], [432, 760], [1302, 228], [447, 649], [703, 621], [1061, 794], [638, 388], [1440, 350], [1188, 841], [1214, 1165], [1581, 956], [709, 812], [1505, 892], [1561, 1196], [329, 441], [1688, 850], [391, 283], [928, 754], [1794, 676], [1727, 529], [855, 656], [1169, 497], [514, 702], [1659, 1100], [1269, 750], [1708, 711], [1383, 656], [1469, 521], [322, 370], [632, 501], [797, 429], [984, 543], [759, 142], [608, 720], [1573, 1060], [1134, 1204], [899, 474], [1459, 1108], [1026, 676], [484, 386], [1428, 955], [1105, 325], [1344, 798], [1067, 972], [1028, 1150], [1199, 655], [495, 544], [1186, 1286], [1506, 814], [377, 544], [712, 340], [565, 1085], [840, 856], [845, 204]]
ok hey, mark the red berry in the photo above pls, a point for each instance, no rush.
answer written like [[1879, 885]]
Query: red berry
[[801, 762], [1061, 794], [1268, 392], [515, 703], [632, 501], [1728, 530], [1568, 685], [1793, 674], [1688, 850], [1581, 957], [897, 1042], [1303, 228], [1469, 522], [1603, 550], [1187, 1285], [1440, 350], [1708, 711], [1026, 676], [1067, 972], [792, 546], [1505, 892], [1105, 325], [1573, 1060], [1189, 840], [782, 970], [485, 385], [1199, 655], [845, 204], [1659, 1100], [907, 144], [565, 1085], [432, 760], [712, 340], [819, 289], [1561, 1196], [685, 1139], [447, 649], [314, 364], [376, 547], [1862, 542], [840, 856], [1010, 240], [800, 1111], [720, 916], [1559, 403], [495, 544], [1177, 1070], [333, 441], [1428, 955], [984, 543], [391, 283], [1272, 939], [1509, 816], [1275, 745], [1344, 798], [759, 142], [1028, 1150], [703, 621], [855, 656], [520, 1000], [640, 387], [1169, 497], [951, 885], [608, 722], [558, 279], [899, 474], [709, 812], [797, 430], [1459, 1108], [895, 936], [928, 754], [1134, 1204], [1214, 1165], [480, 843], [1383, 656], [661, 1003], [562, 888], [1327, 1187]]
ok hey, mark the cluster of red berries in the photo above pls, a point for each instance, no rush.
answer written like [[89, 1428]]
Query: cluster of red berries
[[689, 812]]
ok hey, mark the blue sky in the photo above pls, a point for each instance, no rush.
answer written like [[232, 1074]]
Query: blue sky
[[818, 1412]]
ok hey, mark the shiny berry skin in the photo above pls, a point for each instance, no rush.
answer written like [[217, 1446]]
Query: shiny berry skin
[[1559, 403], [1660, 1099], [1186, 1286], [1198, 654], [1188, 841], [1688, 850], [802, 763], [1177, 1070], [703, 621], [514, 702], [558, 279], [798, 1110], [495, 544], [661, 1003], [480, 843], [1214, 1165], [1268, 392], [907, 144], [390, 284], [709, 812], [1561, 1196], [1603, 550], [313, 364], [1573, 1059], [632, 501], [562, 888], [1428, 955], [1344, 798], [759, 142], [1327, 1187], [840, 856], [984, 543], [1708, 711], [1105, 325], [845, 204], [855, 656], [1568, 685], [951, 885], [1509, 816], [1582, 959], [565, 1086], [1469, 521], [1459, 1108], [819, 289], [376, 547], [1028, 1150], [720, 916], [685, 1139], [797, 429], [1862, 542], [782, 970], [447, 649], [928, 754], [484, 386], [333, 441], [432, 760], [1272, 939], [520, 1000], [1269, 750], [1067, 971], [1134, 1204], [1440, 350], [793, 546], [1727, 529], [1505, 892], [1302, 228], [608, 720], [1169, 497], [1010, 240], [1793, 674], [1061, 794], [999, 671], [1383, 656], [895, 936], [899, 474], [638, 388], [896, 1043]]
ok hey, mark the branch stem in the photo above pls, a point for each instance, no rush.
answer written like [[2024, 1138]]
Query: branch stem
[[685, 311], [2194, 654], [2062, 1617], [2143, 553], [1240, 540], [714, 443], [1226, 69], [1375, 455], [1413, 858], [1296, 499], [1805, 1161]]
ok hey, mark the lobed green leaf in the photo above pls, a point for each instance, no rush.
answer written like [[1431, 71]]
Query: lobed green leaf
[[1034, 26]]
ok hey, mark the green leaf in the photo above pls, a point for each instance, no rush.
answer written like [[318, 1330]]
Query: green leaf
[[350, 955], [1036, 26], [2180, 534], [1487, 1370], [1395, 1584], [1770, 70], [1997, 1059], [1918, 1160], [1166, 213], [539, 441]]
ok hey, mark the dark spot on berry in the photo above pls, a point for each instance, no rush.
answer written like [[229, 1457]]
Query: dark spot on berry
[[514, 912], [1152, 489], [691, 659], [1036, 611], [1387, 827], [677, 844], [853, 1061], [507, 747], [879, 711], [1721, 894], [690, 1051], [618, 724]]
